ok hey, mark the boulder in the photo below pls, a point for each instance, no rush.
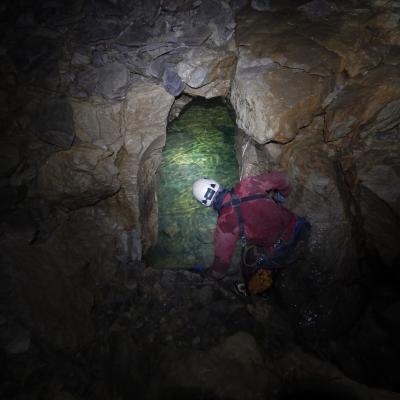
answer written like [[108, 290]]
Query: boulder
[[78, 177], [290, 49], [97, 241], [234, 369], [84, 84], [386, 23], [164, 68], [366, 104], [109, 80], [213, 89], [96, 121], [54, 124], [349, 37], [113, 81], [273, 103], [278, 87], [179, 104], [202, 66]]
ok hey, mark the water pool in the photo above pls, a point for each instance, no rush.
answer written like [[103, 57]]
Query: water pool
[[200, 143]]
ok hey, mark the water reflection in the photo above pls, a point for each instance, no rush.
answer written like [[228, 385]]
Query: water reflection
[[199, 144]]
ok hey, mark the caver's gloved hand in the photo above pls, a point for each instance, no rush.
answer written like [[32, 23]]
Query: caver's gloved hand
[[199, 268]]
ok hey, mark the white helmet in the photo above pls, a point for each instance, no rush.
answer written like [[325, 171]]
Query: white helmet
[[204, 190]]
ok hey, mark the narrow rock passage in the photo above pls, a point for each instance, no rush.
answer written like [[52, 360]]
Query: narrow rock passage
[[200, 143]]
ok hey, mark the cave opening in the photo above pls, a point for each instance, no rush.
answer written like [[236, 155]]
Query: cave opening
[[200, 143]]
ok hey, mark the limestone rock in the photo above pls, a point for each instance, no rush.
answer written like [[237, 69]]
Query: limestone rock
[[54, 122], [273, 103], [172, 81], [226, 371], [9, 158], [387, 24], [377, 165], [43, 294], [164, 69], [97, 33], [393, 56], [238, 5], [80, 58], [349, 37], [85, 82], [317, 196], [97, 122], [252, 24], [144, 130], [292, 50], [16, 339], [178, 106], [113, 81], [318, 8], [102, 78], [278, 87], [77, 177], [37, 60], [202, 66], [368, 103], [91, 230], [373, 165], [213, 89], [261, 5]]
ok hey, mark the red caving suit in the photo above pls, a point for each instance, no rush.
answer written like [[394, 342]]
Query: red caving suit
[[264, 220]]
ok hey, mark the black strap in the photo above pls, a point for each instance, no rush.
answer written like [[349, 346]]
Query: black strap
[[243, 199], [235, 203]]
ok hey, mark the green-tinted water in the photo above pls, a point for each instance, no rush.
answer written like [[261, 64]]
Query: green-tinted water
[[199, 144]]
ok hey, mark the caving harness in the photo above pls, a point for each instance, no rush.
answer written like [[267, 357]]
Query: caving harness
[[255, 262]]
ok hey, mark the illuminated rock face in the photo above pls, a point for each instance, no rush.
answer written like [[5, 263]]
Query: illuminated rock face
[[86, 94], [318, 97]]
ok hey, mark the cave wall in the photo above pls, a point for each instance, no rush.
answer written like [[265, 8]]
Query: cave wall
[[86, 96], [316, 94], [86, 93]]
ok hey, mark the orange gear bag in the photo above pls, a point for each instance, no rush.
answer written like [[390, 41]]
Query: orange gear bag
[[259, 282]]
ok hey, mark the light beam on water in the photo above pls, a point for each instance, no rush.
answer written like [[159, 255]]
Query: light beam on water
[[200, 143]]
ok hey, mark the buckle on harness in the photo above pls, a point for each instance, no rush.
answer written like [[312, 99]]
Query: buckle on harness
[[235, 201], [277, 243]]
